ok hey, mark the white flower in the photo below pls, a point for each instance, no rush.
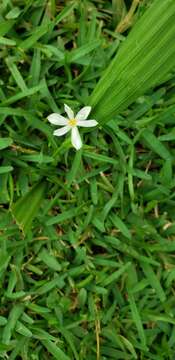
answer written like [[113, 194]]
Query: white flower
[[72, 123]]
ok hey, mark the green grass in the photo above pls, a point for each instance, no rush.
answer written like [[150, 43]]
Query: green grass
[[87, 238]]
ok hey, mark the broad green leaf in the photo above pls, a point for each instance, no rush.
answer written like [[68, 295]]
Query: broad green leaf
[[144, 60], [26, 208]]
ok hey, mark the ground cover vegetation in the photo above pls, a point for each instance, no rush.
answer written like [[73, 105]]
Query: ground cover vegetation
[[87, 237]]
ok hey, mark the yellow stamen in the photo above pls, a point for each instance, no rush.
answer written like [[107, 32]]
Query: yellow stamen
[[72, 122]]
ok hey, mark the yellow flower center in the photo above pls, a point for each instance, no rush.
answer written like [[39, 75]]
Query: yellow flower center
[[72, 122]]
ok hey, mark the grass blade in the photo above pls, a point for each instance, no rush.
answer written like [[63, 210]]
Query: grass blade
[[26, 208], [55, 350]]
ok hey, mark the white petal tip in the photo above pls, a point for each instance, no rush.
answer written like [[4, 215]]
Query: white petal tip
[[49, 117], [57, 119], [83, 113], [61, 131], [68, 111], [87, 123], [88, 108], [76, 139]]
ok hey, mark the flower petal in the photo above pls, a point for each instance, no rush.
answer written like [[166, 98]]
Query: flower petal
[[62, 131], [83, 113], [87, 123], [69, 111], [57, 119], [75, 138]]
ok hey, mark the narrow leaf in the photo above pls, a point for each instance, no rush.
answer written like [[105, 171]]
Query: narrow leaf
[[26, 208], [54, 350]]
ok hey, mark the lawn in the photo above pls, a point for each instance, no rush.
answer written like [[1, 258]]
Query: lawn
[[87, 234]]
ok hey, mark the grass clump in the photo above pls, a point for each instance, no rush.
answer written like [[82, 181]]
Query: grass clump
[[91, 274]]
